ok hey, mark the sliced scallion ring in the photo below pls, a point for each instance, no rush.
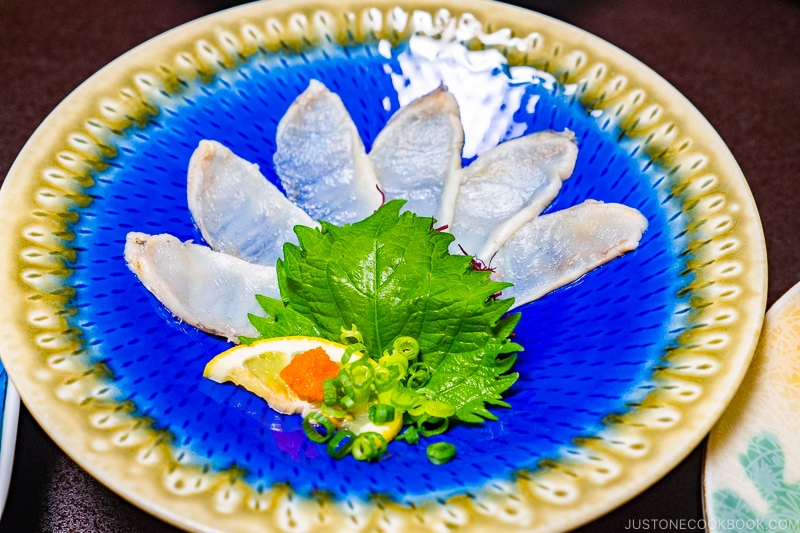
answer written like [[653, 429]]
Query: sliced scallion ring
[[364, 448], [433, 426], [330, 394], [351, 336], [312, 425], [380, 413], [361, 373], [403, 398], [410, 435], [394, 360], [341, 443], [441, 452], [346, 381], [439, 409], [385, 378], [368, 446], [417, 380], [350, 350], [419, 406], [333, 411], [347, 402], [418, 375], [408, 347]]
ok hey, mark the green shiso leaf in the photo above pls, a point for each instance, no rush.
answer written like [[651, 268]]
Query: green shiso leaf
[[391, 275], [281, 321]]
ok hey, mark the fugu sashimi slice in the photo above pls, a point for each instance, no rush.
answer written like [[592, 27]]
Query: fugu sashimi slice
[[210, 290], [321, 160], [417, 156], [239, 212], [507, 186], [552, 250]]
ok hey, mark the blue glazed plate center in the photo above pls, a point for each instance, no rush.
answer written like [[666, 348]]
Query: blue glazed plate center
[[590, 347]]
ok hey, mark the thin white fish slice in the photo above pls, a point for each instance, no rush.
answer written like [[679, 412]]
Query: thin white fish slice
[[417, 155], [507, 186], [321, 160], [209, 290], [239, 212], [555, 249]]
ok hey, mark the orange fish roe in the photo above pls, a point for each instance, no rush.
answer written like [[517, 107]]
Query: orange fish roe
[[306, 371]]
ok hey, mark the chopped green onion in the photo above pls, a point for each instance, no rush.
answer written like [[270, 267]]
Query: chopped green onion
[[394, 360], [333, 411], [312, 424], [417, 380], [347, 402], [346, 381], [418, 375], [361, 373], [364, 448], [351, 336], [433, 426], [379, 441], [410, 435], [419, 366], [403, 398], [381, 413], [441, 452], [350, 350], [330, 394], [386, 378], [340, 444], [368, 446], [418, 408], [439, 409], [408, 347], [392, 386]]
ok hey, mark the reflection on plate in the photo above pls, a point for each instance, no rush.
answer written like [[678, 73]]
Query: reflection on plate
[[624, 371], [752, 470], [9, 414]]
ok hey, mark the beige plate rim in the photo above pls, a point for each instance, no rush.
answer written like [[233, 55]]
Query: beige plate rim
[[728, 261]]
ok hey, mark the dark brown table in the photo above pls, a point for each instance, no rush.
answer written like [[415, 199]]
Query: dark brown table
[[738, 61]]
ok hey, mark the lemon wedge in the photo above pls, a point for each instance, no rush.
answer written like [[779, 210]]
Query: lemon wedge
[[256, 368]]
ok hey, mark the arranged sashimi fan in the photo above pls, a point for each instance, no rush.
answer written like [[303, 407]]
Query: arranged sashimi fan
[[322, 164], [195, 155]]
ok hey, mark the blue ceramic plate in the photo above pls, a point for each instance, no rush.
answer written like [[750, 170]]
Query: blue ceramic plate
[[623, 371]]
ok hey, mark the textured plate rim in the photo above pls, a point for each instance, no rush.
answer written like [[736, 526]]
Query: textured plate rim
[[731, 248]]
